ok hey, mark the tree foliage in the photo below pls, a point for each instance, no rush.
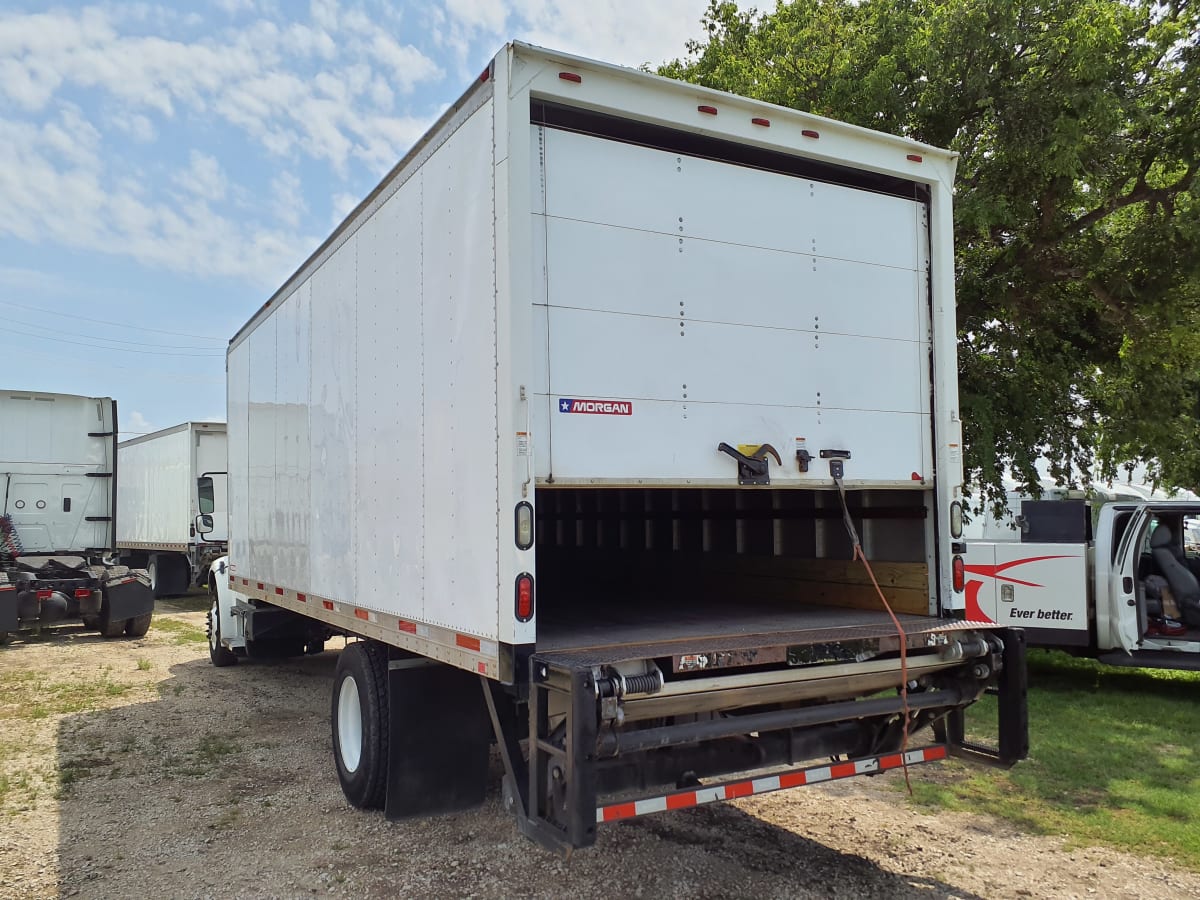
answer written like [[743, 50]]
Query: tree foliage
[[1076, 225]]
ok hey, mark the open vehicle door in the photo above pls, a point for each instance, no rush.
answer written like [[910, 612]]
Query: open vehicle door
[[1120, 536]]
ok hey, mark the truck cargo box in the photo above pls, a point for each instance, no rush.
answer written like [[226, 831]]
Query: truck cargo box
[[607, 394], [569, 295]]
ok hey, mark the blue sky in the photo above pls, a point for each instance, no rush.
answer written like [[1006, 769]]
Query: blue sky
[[164, 167]]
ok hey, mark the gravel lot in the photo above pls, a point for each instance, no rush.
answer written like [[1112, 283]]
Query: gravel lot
[[148, 773]]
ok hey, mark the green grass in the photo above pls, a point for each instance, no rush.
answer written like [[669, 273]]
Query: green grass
[[182, 633], [1114, 760], [196, 600], [144, 664], [30, 694]]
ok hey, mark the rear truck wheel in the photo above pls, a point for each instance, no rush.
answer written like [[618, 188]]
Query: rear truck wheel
[[359, 720], [169, 574], [315, 646], [218, 653], [138, 625], [155, 569]]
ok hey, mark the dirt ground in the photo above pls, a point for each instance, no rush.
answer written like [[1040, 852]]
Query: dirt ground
[[141, 771]]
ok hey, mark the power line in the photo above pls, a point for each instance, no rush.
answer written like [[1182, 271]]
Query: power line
[[97, 337], [217, 354], [38, 309]]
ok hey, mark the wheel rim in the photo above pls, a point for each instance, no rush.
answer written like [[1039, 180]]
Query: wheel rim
[[214, 636], [152, 574], [349, 724]]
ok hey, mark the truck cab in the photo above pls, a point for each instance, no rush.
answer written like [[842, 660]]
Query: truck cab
[[1116, 580]]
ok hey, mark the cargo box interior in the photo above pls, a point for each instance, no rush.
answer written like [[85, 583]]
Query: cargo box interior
[[625, 567]]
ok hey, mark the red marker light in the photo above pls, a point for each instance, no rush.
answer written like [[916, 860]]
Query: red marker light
[[960, 574], [707, 110], [759, 120], [809, 133], [82, 593], [45, 595], [571, 77], [913, 157], [524, 597]]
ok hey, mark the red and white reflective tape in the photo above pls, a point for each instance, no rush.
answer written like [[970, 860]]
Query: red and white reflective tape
[[734, 789], [470, 652]]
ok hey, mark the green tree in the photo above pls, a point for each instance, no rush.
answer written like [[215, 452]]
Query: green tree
[[1076, 226]]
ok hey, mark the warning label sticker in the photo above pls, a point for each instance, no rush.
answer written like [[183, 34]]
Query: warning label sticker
[[596, 407]]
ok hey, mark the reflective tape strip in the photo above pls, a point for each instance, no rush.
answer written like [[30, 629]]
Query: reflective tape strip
[[734, 789], [466, 651]]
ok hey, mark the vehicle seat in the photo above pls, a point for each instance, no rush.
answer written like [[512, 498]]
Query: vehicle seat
[[1184, 584]]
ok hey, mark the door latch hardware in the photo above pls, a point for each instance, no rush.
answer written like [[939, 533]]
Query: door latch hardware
[[752, 469], [836, 459]]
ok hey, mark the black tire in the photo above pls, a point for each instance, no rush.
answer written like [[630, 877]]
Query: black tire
[[359, 716], [138, 625], [169, 574], [156, 569], [90, 621], [218, 653], [315, 646]]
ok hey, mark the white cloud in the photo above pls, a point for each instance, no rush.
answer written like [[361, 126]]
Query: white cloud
[[323, 89], [288, 199], [135, 424], [203, 178], [341, 205], [49, 192], [615, 31]]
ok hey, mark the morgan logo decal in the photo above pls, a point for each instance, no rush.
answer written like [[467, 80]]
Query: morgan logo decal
[[596, 407]]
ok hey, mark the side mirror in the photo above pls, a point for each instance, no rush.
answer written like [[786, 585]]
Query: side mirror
[[206, 496], [204, 524]]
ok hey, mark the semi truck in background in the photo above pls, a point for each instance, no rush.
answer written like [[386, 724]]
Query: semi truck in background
[[584, 426], [1112, 575], [58, 478], [171, 480]]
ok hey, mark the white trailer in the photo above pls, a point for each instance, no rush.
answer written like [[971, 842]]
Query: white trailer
[[575, 408], [169, 480], [1116, 580], [58, 474]]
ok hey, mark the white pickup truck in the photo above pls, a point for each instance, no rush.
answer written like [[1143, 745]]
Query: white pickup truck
[[1118, 581]]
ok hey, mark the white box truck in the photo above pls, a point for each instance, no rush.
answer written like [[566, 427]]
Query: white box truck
[[1117, 580], [169, 479], [566, 423], [58, 474]]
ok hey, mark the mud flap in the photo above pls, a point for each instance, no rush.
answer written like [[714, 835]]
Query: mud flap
[[8, 609], [439, 740], [128, 596]]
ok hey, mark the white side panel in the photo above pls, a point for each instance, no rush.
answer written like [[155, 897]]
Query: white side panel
[[154, 490], [719, 303], [237, 410], [1032, 586], [292, 512], [46, 455], [260, 448], [334, 423], [459, 315], [390, 507], [372, 408], [212, 455]]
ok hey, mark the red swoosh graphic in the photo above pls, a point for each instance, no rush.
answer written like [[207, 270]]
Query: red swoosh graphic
[[974, 613]]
